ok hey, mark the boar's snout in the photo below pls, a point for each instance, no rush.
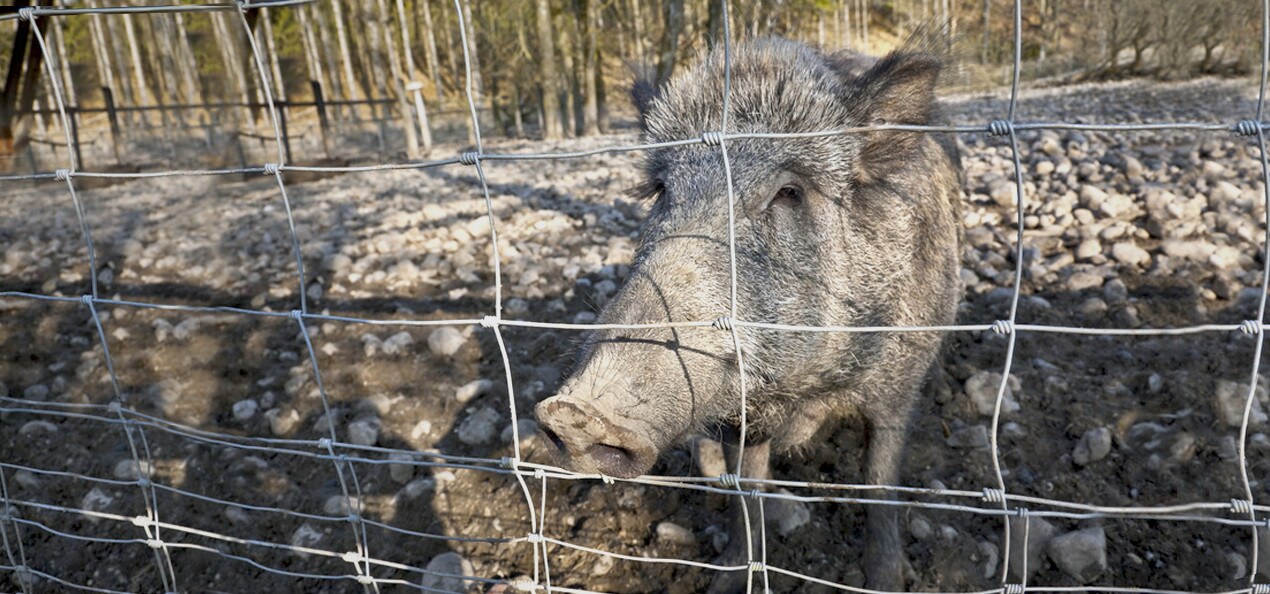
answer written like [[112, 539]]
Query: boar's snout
[[586, 439]]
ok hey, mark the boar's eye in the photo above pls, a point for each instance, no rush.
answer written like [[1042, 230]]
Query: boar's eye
[[788, 196]]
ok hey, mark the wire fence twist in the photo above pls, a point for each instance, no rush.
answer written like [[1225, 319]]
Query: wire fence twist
[[369, 572]]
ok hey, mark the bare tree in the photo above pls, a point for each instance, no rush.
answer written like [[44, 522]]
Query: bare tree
[[670, 40], [551, 128]]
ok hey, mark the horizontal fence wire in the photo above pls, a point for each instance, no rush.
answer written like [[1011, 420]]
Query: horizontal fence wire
[[150, 530]]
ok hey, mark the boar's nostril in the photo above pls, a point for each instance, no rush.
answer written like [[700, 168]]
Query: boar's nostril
[[555, 439], [611, 459]]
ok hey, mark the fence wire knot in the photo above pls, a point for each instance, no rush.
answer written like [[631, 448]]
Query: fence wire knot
[[352, 557], [489, 322], [608, 480], [723, 323], [353, 518], [540, 474], [154, 543], [140, 521], [1003, 327], [365, 580], [115, 407], [712, 138], [296, 315], [6, 513], [993, 495], [524, 584], [1000, 127], [86, 300], [1250, 327], [27, 13], [62, 174], [535, 538], [271, 169], [324, 443], [1261, 589], [1013, 589], [756, 567], [469, 158], [730, 480], [509, 462], [1241, 506], [1248, 128], [143, 482]]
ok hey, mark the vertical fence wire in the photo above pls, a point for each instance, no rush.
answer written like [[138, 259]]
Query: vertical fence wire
[[352, 499]]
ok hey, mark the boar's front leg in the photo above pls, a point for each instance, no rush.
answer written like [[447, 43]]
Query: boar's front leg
[[884, 562], [755, 464]]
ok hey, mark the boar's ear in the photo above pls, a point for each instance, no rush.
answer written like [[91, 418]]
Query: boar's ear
[[898, 89], [644, 90]]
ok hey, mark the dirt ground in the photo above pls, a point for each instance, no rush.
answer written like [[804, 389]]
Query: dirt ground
[[414, 245]]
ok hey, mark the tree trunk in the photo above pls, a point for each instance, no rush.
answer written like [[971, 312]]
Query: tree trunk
[[478, 88], [64, 62], [670, 40], [590, 67], [138, 72], [279, 87], [188, 64], [311, 60], [398, 77], [337, 89], [105, 70], [233, 64], [431, 37], [551, 128], [350, 81]]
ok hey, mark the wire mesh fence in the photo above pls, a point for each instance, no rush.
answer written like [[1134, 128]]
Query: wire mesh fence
[[361, 565]]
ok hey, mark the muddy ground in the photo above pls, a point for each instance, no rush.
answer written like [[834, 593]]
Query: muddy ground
[[1128, 230]]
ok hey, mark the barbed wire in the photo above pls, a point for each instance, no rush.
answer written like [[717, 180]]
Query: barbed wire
[[343, 456]]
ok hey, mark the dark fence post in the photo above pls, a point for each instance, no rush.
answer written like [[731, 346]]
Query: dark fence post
[[112, 114], [320, 101], [282, 123], [72, 113]]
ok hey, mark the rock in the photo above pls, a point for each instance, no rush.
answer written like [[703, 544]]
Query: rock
[[421, 429], [1088, 249], [28, 480], [920, 527], [602, 566], [472, 389], [445, 341], [1003, 193], [399, 343], [237, 515], [131, 470], [443, 571], [1082, 280], [363, 432], [479, 427], [96, 500], [991, 556], [1129, 254], [1039, 532], [516, 307], [245, 409], [975, 436], [1081, 554], [1230, 398], [32, 428], [1093, 446], [37, 392], [414, 489], [982, 389], [306, 536], [787, 514], [1115, 291], [282, 422], [674, 534], [339, 505], [1238, 566], [401, 473], [526, 428], [584, 317]]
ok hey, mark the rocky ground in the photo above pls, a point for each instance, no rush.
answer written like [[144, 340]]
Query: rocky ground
[[1126, 230]]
